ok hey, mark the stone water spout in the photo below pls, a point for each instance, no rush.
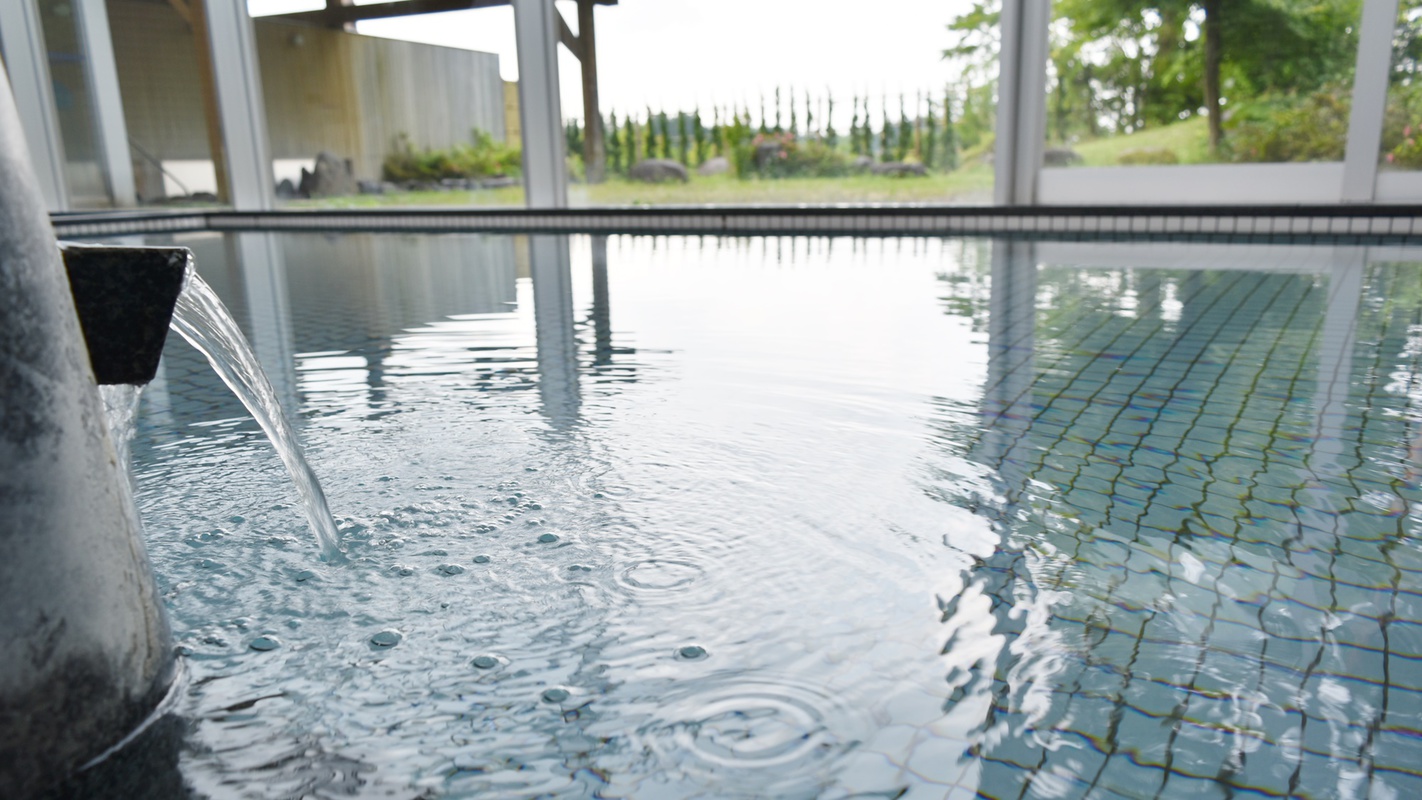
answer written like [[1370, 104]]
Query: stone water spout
[[88, 655]]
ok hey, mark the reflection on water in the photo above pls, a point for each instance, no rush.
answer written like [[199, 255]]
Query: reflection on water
[[750, 517]]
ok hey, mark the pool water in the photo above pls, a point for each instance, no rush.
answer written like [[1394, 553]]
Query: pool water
[[784, 517]]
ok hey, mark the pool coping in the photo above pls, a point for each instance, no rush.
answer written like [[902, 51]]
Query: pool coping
[[1335, 223]]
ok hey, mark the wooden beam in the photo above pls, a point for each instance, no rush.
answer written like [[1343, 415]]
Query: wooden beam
[[336, 15], [183, 11], [340, 16], [565, 35], [594, 152]]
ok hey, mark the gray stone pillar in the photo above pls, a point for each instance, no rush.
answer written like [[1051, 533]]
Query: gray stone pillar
[[88, 655]]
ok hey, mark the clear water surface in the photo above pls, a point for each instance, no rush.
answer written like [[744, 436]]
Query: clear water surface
[[713, 518]]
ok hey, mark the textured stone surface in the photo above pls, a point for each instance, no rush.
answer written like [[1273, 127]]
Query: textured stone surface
[[89, 651], [658, 170]]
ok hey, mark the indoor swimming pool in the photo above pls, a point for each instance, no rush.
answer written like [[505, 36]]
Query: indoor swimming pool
[[799, 517]]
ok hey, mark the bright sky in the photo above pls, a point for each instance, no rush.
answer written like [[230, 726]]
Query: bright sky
[[673, 54]]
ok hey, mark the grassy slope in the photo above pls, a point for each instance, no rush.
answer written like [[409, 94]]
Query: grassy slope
[[1189, 140]]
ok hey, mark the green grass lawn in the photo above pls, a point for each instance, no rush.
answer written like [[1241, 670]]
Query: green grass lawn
[[967, 185]]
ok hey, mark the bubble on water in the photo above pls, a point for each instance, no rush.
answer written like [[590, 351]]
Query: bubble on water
[[236, 519], [691, 652], [264, 643], [387, 638], [481, 559], [305, 575], [534, 506], [450, 569], [403, 570], [555, 695], [485, 662], [579, 568], [436, 552], [548, 538]]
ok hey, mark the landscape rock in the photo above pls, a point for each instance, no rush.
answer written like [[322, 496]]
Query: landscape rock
[[332, 177], [899, 169], [286, 190], [719, 165], [658, 170], [1061, 157], [862, 163], [498, 183], [370, 187]]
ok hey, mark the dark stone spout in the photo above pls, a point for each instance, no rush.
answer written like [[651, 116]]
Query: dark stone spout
[[124, 297]]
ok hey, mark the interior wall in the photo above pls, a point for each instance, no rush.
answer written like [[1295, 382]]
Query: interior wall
[[324, 90]]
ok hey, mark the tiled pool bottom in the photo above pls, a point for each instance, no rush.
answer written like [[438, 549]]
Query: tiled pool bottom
[[946, 517], [1210, 505]]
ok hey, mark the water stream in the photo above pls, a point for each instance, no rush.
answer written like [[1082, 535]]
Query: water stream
[[202, 319]]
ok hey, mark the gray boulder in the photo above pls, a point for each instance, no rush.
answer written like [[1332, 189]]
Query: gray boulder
[[899, 169], [862, 164], [286, 190], [719, 165], [370, 187], [1061, 157], [332, 177], [658, 170]]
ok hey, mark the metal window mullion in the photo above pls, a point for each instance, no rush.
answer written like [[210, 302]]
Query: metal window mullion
[[241, 107], [102, 69], [1370, 80], [27, 62], [540, 104]]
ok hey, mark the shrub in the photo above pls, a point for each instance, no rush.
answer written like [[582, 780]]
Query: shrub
[[1147, 155], [482, 157], [1313, 127], [784, 155]]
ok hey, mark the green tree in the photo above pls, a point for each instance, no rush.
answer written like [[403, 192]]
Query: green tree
[[613, 145], [683, 149], [950, 133], [905, 138], [929, 154], [886, 141]]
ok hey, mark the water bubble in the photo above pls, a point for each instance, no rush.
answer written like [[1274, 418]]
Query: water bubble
[[555, 695], [403, 570], [548, 538], [450, 569], [236, 519], [579, 568], [481, 559], [534, 506], [485, 662], [305, 575], [387, 638], [691, 652], [264, 643]]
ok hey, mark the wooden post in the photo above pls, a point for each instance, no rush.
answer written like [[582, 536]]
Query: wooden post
[[594, 154]]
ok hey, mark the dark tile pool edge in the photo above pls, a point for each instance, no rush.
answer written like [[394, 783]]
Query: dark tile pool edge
[[1359, 224]]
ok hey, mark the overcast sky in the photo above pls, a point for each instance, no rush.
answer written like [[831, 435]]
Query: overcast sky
[[673, 54]]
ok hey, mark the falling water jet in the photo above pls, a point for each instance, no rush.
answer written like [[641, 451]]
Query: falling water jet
[[202, 319]]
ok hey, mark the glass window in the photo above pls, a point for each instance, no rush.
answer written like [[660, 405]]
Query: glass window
[[1135, 82]]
